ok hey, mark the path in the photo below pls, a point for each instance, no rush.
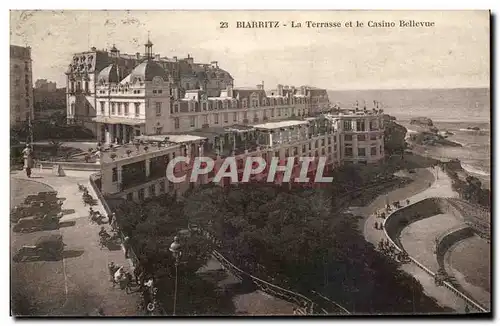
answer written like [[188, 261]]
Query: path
[[248, 302], [419, 238], [416, 191], [85, 277]]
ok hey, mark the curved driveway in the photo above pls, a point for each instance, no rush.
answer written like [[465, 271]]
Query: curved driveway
[[417, 190]]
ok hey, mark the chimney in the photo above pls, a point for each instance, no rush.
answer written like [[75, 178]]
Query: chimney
[[280, 90], [229, 91], [137, 55], [214, 64], [175, 58], [157, 57], [93, 48]]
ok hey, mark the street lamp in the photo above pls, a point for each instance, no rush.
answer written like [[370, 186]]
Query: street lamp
[[175, 248]]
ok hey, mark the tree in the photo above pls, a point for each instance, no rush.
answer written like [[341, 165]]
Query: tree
[[152, 227], [394, 137]]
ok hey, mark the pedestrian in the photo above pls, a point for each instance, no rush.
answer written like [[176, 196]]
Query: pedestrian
[[119, 275], [28, 172], [138, 274], [111, 270], [126, 245]]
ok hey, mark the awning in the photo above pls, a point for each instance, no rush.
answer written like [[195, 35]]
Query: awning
[[117, 120]]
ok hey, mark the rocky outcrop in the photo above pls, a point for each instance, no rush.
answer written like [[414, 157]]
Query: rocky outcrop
[[432, 139], [422, 121], [394, 135]]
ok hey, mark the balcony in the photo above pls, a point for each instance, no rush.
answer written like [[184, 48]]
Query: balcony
[[241, 146]]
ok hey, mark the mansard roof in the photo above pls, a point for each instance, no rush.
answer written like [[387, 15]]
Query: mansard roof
[[109, 74], [147, 70]]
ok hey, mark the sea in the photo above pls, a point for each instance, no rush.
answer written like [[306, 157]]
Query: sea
[[453, 110]]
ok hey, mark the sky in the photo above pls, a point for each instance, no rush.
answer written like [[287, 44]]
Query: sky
[[453, 53]]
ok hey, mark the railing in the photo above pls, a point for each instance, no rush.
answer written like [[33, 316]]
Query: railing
[[79, 166], [307, 305], [450, 287]]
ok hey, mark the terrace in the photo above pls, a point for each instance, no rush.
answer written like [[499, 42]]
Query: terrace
[[229, 141], [112, 153]]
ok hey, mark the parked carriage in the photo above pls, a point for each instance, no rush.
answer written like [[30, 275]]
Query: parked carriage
[[37, 223], [48, 247]]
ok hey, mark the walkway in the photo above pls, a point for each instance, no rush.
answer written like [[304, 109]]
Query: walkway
[[248, 302], [85, 282], [416, 191]]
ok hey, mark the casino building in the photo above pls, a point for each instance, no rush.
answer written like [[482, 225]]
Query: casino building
[[148, 113]]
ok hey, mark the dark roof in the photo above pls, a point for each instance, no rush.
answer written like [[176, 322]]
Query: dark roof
[[147, 70], [246, 92], [109, 74]]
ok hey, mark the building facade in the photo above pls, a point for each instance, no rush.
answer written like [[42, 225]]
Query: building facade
[[86, 73], [21, 89], [138, 171]]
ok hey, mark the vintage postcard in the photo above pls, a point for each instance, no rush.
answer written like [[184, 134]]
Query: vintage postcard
[[250, 163]]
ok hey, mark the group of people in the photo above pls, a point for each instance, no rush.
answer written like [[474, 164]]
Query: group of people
[[124, 279], [389, 249], [379, 226]]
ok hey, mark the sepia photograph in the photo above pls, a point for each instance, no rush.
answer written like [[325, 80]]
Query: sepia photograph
[[168, 163]]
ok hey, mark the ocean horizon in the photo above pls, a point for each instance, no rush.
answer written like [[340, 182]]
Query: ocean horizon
[[453, 109], [444, 105]]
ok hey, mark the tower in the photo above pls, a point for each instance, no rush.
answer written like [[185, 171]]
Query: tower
[[148, 48]]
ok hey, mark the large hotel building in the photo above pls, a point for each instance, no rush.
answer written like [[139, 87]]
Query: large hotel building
[[153, 108]]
